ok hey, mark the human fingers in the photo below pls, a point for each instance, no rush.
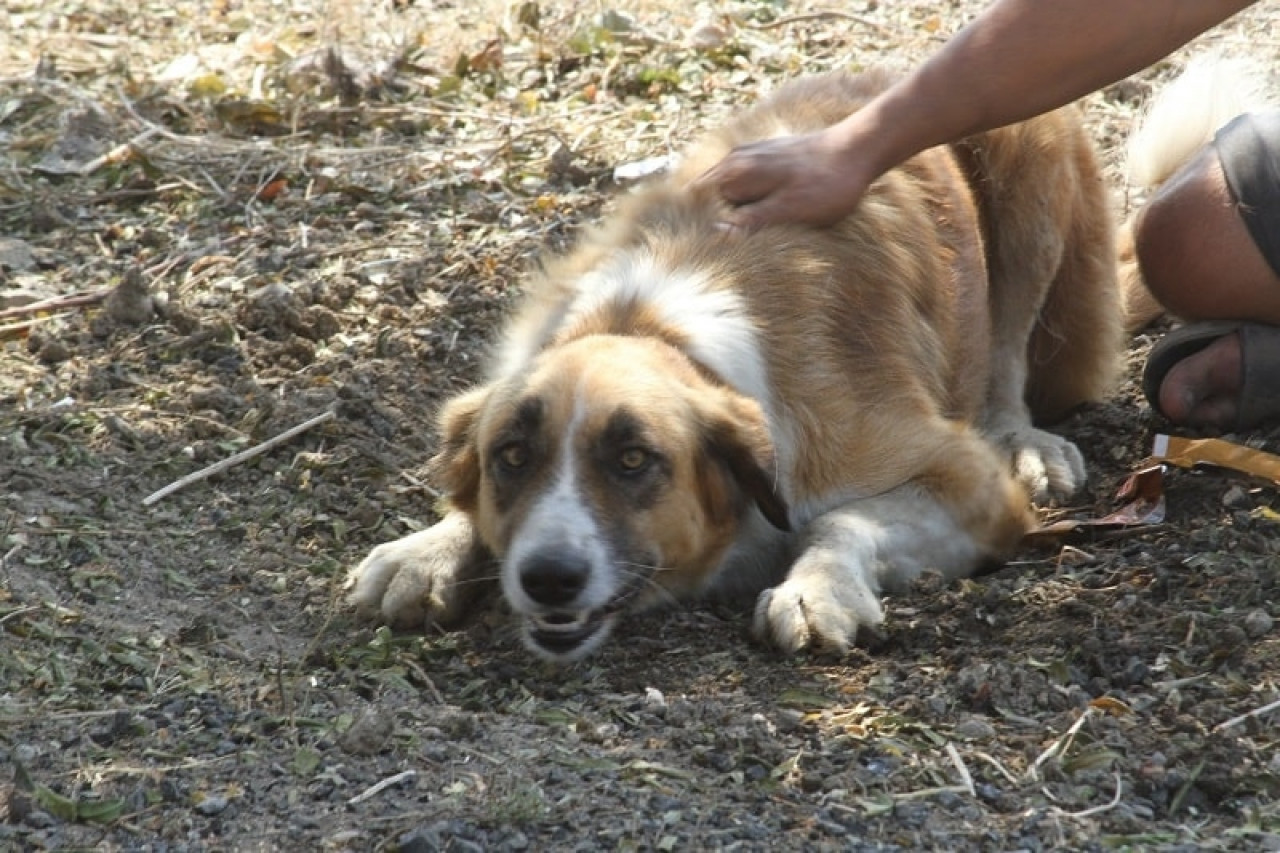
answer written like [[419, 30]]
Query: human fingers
[[741, 219], [750, 171]]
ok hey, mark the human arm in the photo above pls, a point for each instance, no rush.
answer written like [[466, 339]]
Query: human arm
[[1017, 59]]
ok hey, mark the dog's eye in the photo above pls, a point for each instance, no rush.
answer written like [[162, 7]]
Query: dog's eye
[[633, 460], [513, 456]]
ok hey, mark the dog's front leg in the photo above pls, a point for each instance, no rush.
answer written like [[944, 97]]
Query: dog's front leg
[[427, 578], [853, 553]]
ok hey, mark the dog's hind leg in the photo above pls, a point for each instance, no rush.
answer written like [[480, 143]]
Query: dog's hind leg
[[1055, 309]]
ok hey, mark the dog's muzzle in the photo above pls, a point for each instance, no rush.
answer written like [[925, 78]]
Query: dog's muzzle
[[561, 624]]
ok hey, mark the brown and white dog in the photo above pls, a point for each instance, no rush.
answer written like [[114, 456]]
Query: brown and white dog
[[816, 414]]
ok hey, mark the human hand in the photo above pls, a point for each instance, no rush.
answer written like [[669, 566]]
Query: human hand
[[806, 178]]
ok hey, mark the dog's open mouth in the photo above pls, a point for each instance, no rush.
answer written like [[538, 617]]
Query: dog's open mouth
[[560, 635], [569, 635]]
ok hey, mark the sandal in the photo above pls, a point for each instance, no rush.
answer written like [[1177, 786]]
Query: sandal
[[1259, 358]]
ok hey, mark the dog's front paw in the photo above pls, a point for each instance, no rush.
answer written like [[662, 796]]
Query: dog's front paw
[[1049, 466], [428, 577], [817, 611]]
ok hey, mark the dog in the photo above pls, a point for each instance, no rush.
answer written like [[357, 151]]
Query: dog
[[813, 415]]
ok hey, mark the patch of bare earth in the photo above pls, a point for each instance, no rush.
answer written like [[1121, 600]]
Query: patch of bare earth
[[240, 215]]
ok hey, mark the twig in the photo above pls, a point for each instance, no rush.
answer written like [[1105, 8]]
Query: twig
[[56, 303], [930, 792], [426, 680], [1060, 745], [16, 329], [21, 611], [120, 153], [378, 787], [232, 461], [1256, 712], [818, 16], [1004, 771], [960, 766], [1185, 788], [1090, 812]]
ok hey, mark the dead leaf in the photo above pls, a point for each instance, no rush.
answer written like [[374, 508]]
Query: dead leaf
[[1216, 452], [252, 117]]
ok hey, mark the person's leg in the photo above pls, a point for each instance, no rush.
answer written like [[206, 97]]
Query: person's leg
[[1208, 243]]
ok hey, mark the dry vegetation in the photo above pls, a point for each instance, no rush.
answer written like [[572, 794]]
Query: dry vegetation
[[222, 219]]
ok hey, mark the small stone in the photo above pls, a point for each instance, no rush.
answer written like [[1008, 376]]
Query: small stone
[[1258, 623], [974, 728], [213, 804], [1235, 498], [369, 733], [53, 351], [16, 255], [811, 782], [708, 36], [18, 296], [130, 303], [789, 719], [654, 700]]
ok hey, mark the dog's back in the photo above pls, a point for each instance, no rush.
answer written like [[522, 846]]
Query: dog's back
[[974, 280], [1042, 210]]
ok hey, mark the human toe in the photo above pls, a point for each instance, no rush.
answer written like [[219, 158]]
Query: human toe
[[1203, 389]]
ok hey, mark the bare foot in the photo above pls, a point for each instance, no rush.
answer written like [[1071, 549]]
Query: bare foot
[[1203, 390]]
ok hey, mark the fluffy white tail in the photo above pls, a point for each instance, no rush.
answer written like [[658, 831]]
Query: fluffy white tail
[[1210, 92]]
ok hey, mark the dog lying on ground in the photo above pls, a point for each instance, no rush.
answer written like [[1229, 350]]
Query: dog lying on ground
[[817, 415]]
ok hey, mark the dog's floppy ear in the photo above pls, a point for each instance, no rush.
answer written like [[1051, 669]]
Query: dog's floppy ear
[[736, 438], [456, 467]]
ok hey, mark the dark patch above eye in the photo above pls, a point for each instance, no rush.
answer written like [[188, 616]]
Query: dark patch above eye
[[626, 446], [523, 426], [519, 441], [623, 429], [530, 413]]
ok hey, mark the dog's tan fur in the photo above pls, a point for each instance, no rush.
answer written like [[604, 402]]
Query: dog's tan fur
[[820, 414]]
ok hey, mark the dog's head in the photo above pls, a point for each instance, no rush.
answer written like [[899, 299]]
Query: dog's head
[[610, 475]]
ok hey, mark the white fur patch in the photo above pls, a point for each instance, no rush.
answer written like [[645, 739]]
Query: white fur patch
[[852, 554], [721, 334], [1210, 92], [561, 520]]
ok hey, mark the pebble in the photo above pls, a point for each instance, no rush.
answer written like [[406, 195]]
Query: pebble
[[213, 804], [654, 699], [53, 351], [16, 255], [1235, 498], [130, 303], [369, 733], [974, 728], [1258, 623], [19, 296]]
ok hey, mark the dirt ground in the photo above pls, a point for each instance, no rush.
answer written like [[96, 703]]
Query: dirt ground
[[252, 214]]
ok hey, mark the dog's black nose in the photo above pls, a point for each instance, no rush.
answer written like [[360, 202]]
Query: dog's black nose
[[554, 580]]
